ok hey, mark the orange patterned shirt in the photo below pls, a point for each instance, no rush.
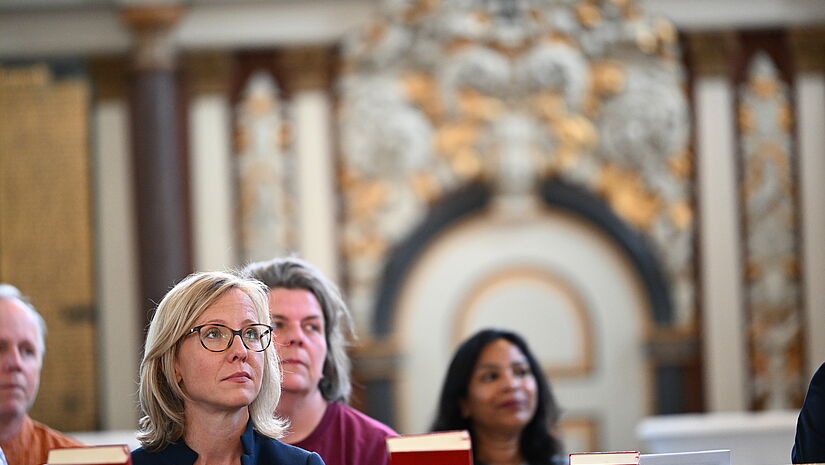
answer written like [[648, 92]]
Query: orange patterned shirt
[[32, 445]]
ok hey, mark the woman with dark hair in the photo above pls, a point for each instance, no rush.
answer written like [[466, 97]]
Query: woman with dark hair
[[496, 390], [312, 329]]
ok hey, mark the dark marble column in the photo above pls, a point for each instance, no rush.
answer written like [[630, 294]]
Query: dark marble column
[[158, 158]]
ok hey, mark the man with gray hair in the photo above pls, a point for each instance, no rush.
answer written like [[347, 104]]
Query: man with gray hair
[[22, 345]]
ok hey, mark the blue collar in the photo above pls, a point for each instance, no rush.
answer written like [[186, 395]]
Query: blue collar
[[179, 453]]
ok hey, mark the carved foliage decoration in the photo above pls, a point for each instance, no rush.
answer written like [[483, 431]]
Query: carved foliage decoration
[[439, 93], [772, 268], [266, 171]]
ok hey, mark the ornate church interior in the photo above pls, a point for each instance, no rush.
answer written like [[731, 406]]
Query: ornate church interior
[[633, 186]]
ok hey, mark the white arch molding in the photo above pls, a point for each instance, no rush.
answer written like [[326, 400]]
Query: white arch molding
[[557, 280]]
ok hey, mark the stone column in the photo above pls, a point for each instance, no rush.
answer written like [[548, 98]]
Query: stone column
[[212, 173], [160, 174], [308, 74], [722, 304], [118, 287]]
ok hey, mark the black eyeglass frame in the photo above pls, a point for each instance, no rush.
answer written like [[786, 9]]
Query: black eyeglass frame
[[235, 332]]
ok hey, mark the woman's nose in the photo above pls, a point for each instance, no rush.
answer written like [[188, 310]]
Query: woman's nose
[[289, 335], [237, 350], [510, 380]]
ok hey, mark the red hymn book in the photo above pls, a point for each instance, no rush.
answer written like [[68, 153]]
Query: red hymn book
[[442, 448]]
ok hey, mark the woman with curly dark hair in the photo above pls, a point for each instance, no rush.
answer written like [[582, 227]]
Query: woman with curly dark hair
[[495, 389]]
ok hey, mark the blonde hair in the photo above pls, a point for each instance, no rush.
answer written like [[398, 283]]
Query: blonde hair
[[161, 396]]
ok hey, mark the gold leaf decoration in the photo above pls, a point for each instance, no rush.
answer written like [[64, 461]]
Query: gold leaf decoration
[[588, 14], [626, 193], [421, 89], [375, 32], [366, 246], [765, 87], [478, 106], [367, 197], [419, 9], [466, 164], [425, 186], [784, 117], [681, 166], [746, 122], [681, 214], [608, 77], [646, 41], [665, 31], [566, 156], [549, 105], [576, 131], [451, 138]]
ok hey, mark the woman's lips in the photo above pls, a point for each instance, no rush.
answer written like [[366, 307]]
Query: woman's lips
[[239, 377], [291, 361], [511, 404]]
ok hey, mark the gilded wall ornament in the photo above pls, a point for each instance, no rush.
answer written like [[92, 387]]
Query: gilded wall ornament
[[265, 168], [454, 91], [772, 281]]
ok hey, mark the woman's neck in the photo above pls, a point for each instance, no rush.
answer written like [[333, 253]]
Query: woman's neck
[[216, 436], [304, 412], [496, 448]]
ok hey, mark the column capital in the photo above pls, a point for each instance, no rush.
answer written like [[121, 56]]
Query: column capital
[[109, 75], [307, 67], [208, 72], [152, 26], [711, 51], [808, 45]]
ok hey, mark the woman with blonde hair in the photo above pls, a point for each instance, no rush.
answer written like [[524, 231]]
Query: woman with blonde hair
[[207, 398]]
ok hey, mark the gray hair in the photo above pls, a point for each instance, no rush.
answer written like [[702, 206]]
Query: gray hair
[[294, 273], [9, 292]]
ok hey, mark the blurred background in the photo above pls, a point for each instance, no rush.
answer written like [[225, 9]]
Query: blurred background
[[634, 186]]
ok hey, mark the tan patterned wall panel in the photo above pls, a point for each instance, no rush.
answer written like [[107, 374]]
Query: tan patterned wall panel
[[45, 231]]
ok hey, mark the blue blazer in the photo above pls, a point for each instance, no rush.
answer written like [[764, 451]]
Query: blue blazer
[[257, 450], [809, 446]]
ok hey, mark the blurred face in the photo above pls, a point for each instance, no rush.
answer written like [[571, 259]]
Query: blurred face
[[221, 381], [299, 338], [501, 397], [21, 357]]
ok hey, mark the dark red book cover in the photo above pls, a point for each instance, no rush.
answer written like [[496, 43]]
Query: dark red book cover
[[441, 448]]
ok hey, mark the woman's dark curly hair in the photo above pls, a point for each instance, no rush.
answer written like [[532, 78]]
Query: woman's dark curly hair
[[538, 446]]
